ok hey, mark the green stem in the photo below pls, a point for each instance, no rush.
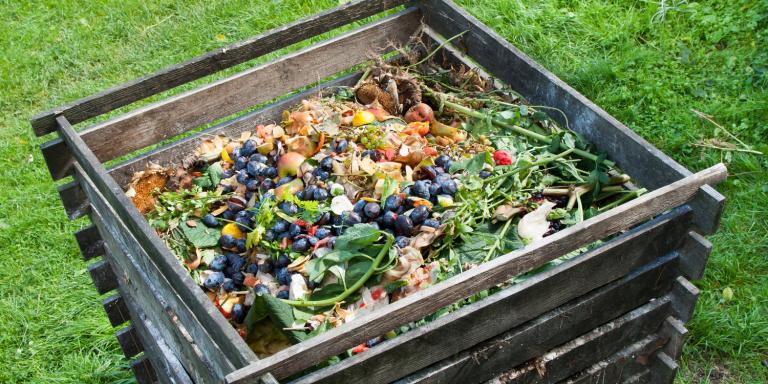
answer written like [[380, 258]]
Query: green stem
[[352, 289], [543, 161], [497, 244], [536, 136], [623, 199]]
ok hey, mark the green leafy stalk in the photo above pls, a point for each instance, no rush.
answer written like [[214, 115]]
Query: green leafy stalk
[[522, 131], [354, 287], [543, 161]]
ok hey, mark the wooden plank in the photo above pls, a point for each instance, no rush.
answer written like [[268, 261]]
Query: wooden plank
[[73, 200], [674, 331], [210, 62], [487, 275], [171, 154], [142, 370], [622, 366], [90, 242], [533, 339], [117, 312], [684, 297], [696, 253], [103, 277], [512, 307], [541, 87], [575, 355], [210, 319], [165, 362], [129, 341], [141, 281], [643, 377], [175, 115], [663, 370]]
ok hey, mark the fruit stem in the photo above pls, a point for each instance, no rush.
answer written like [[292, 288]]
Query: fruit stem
[[354, 287]]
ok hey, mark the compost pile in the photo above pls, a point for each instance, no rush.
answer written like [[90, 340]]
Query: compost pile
[[364, 195]]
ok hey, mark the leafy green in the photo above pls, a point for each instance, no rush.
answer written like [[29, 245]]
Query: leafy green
[[327, 292], [473, 164], [357, 237], [211, 177], [199, 235], [279, 312], [395, 285], [476, 246], [264, 218], [356, 269], [387, 189]]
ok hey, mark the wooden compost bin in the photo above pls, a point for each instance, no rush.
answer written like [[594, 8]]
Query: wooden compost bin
[[613, 314]]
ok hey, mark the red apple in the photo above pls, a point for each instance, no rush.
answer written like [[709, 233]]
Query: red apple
[[420, 112]]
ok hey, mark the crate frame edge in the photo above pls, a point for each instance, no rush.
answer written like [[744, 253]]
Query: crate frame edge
[[441, 15]]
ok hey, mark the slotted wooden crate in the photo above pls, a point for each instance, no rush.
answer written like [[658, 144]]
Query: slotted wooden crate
[[613, 314]]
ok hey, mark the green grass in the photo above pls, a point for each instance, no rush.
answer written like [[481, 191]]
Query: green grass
[[647, 72]]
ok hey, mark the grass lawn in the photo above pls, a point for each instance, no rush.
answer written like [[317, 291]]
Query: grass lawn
[[648, 64]]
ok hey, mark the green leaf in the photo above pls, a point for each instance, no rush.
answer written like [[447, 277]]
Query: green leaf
[[476, 246], [215, 172], [327, 292], [474, 164], [324, 326], [395, 285], [200, 236], [278, 311], [387, 189], [203, 181], [357, 237], [356, 269], [258, 312]]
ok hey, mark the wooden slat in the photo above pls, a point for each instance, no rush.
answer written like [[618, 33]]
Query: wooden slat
[[116, 310], [695, 255], [684, 297], [539, 86], [129, 341], [171, 154], [622, 366], [103, 277], [495, 272], [141, 282], [90, 242], [73, 200], [674, 331], [210, 62], [533, 339], [144, 237], [143, 371], [512, 307], [164, 360], [580, 353], [167, 118], [663, 370]]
